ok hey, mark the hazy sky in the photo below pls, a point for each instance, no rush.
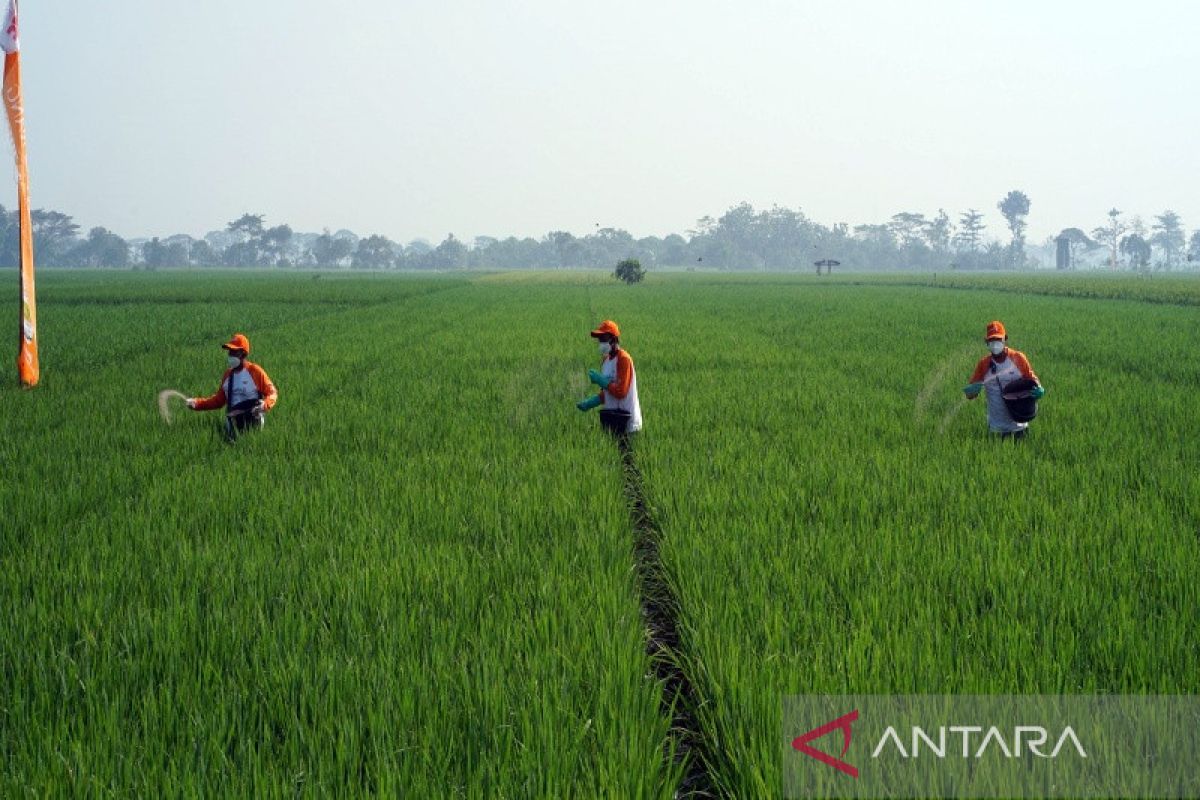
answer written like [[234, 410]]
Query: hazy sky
[[416, 119]]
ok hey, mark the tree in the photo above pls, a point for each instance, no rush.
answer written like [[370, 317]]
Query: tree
[[1194, 247], [908, 227], [1077, 241], [567, 250], [247, 250], [53, 236], [203, 254], [1110, 235], [331, 251], [970, 231], [154, 253], [939, 232], [157, 253], [1015, 207], [876, 246], [1137, 249], [101, 248], [629, 270], [255, 245], [374, 252], [273, 244], [241, 254], [249, 225], [1168, 236], [450, 254]]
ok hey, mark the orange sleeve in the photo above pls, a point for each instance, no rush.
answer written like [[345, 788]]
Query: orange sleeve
[[264, 385], [620, 385], [980, 370], [214, 401], [1022, 364]]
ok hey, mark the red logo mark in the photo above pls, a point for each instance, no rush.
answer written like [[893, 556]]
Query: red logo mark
[[12, 27], [841, 723]]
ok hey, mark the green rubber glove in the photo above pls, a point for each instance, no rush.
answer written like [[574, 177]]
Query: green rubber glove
[[1037, 392], [588, 403], [972, 389], [599, 379]]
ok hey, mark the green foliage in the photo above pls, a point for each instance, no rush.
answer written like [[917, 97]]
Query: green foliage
[[629, 270], [392, 589], [1015, 207], [374, 252], [1109, 235], [331, 251], [1168, 236], [847, 526], [416, 580], [1137, 250], [971, 229]]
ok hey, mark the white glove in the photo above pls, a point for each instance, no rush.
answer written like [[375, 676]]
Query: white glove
[[260, 407], [191, 403]]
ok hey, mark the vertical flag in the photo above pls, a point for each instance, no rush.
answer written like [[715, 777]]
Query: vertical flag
[[27, 357]]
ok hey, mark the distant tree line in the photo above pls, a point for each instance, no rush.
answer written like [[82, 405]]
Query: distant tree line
[[743, 238], [1129, 243]]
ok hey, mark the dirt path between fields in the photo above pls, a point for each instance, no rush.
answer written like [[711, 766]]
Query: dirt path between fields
[[660, 612]]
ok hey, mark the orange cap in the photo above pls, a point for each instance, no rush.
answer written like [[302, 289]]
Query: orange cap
[[238, 342], [607, 327], [995, 330]]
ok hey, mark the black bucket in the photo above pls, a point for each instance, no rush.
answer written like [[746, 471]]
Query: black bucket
[[615, 421], [1019, 399]]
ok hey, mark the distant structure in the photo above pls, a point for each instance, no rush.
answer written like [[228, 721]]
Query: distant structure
[[828, 263], [1062, 256]]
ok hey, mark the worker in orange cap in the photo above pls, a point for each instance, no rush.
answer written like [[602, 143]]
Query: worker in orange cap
[[246, 393], [1000, 367], [620, 411]]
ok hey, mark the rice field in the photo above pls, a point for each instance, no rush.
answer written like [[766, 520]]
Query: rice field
[[419, 579]]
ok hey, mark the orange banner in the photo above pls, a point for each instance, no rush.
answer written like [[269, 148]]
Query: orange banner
[[27, 355]]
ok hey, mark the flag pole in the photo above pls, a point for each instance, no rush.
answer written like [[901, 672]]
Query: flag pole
[[28, 369]]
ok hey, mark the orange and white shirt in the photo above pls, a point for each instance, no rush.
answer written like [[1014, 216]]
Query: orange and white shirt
[[249, 383], [995, 376], [621, 394]]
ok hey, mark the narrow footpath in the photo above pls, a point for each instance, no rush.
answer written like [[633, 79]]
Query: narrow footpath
[[660, 611]]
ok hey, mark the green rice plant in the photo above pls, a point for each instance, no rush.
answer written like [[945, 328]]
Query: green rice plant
[[415, 581], [418, 579], [837, 521]]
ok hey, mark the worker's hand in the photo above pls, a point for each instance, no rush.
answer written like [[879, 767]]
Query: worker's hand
[[588, 403], [599, 379], [1037, 392], [972, 390], [191, 403]]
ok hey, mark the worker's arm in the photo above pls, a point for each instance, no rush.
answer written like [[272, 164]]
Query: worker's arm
[[1022, 363], [619, 387], [972, 389], [209, 403], [266, 389]]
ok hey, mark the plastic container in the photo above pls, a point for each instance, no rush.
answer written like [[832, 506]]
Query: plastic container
[[1018, 398]]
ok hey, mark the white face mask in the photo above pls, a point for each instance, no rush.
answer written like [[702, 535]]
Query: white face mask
[[605, 348], [234, 362], [996, 346]]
